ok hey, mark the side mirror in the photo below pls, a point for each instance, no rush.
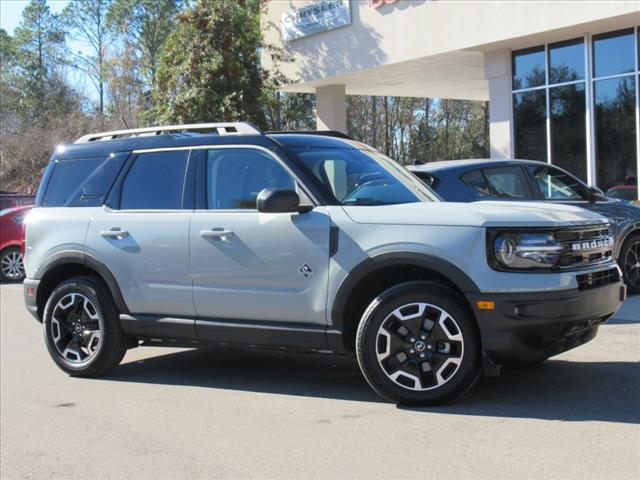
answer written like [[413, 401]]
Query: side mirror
[[272, 200], [595, 194]]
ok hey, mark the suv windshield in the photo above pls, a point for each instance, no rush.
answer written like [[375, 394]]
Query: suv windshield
[[362, 177]]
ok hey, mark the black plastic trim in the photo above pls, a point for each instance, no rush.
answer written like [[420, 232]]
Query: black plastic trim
[[394, 259], [82, 258]]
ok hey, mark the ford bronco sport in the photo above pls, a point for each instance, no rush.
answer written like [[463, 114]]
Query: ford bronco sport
[[201, 235]]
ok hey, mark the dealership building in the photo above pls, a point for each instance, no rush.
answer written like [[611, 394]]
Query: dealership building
[[561, 77]]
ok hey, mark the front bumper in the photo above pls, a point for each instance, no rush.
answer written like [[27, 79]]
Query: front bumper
[[526, 327]]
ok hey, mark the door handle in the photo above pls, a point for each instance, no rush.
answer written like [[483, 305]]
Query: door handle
[[114, 233], [222, 233]]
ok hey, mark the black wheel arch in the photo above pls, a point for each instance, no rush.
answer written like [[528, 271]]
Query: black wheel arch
[[377, 273], [629, 230], [71, 263]]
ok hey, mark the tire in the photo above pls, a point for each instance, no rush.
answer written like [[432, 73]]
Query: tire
[[82, 329], [629, 262], [11, 267], [436, 319]]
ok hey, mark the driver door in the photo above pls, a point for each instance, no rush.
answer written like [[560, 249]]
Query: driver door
[[250, 266]]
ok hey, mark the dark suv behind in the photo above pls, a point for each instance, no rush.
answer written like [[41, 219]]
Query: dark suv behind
[[528, 180]]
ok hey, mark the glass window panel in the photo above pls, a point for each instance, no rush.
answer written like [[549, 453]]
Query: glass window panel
[[566, 61], [236, 176], [613, 53], [568, 129], [507, 182], [155, 181], [530, 130], [67, 177], [476, 181], [528, 68], [615, 131], [554, 184]]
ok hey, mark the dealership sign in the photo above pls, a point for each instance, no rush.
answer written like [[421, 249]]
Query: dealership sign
[[318, 16]]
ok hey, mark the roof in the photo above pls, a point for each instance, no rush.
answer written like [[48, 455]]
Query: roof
[[102, 148], [469, 163]]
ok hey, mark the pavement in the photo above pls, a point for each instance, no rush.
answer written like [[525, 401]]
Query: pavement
[[169, 413]]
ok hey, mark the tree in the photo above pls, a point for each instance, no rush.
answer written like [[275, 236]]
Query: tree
[[146, 25], [87, 21], [210, 68], [37, 50]]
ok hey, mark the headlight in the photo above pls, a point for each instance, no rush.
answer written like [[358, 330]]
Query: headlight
[[523, 251]]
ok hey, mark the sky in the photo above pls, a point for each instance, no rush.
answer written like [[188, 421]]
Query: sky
[[11, 12]]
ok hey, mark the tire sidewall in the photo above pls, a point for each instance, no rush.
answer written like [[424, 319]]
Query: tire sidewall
[[634, 237], [105, 310], [375, 315]]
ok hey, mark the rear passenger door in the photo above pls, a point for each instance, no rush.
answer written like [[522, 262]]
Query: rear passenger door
[[142, 236]]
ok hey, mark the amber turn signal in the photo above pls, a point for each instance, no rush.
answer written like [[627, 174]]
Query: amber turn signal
[[485, 305]]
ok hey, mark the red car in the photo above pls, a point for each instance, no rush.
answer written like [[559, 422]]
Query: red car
[[11, 241]]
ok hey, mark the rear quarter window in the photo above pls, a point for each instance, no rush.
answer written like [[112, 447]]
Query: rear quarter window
[[66, 178]]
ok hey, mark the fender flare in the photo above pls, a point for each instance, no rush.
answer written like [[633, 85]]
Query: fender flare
[[408, 258], [78, 257], [633, 227]]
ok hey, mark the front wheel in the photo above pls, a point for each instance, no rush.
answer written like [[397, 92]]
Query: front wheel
[[418, 345], [630, 263], [82, 329]]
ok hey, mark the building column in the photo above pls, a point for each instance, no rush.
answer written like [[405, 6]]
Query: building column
[[331, 108], [497, 68]]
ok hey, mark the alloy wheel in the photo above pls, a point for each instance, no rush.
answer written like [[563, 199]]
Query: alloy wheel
[[11, 265], [76, 328], [419, 346], [632, 264]]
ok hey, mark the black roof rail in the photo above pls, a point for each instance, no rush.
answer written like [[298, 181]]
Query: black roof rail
[[321, 133]]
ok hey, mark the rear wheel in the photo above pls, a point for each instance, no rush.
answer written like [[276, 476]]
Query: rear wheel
[[630, 262], [417, 345], [11, 267], [82, 329]]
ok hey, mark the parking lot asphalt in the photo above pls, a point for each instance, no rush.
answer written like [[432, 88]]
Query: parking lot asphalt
[[169, 413]]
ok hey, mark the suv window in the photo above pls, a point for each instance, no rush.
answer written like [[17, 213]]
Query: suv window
[[477, 182], [556, 185], [155, 182], [235, 177], [507, 182], [362, 177], [67, 176]]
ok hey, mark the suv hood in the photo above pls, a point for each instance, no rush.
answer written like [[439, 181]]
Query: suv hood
[[476, 214]]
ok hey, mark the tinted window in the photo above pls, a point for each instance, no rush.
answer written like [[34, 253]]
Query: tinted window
[[477, 182], [66, 178], [236, 176], [568, 128], [94, 189], [557, 185], [530, 115], [613, 53], [507, 182], [566, 61], [358, 177], [528, 68], [615, 101], [155, 181]]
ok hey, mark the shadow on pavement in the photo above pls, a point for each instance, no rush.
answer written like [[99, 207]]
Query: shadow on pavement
[[555, 390]]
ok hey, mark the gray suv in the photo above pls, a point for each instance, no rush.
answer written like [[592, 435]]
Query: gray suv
[[219, 234]]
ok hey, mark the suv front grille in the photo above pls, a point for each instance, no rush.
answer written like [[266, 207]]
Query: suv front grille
[[587, 281], [585, 247]]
